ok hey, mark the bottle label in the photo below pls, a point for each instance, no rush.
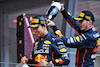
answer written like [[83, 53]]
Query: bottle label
[[57, 4]]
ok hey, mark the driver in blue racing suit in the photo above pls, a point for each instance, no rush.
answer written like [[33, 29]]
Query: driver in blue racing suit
[[88, 40], [48, 48]]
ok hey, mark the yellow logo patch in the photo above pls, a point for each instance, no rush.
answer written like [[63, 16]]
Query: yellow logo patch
[[35, 21], [47, 42], [88, 17], [82, 14], [39, 57], [58, 32], [42, 22], [68, 13], [98, 42], [58, 60], [63, 50], [77, 38]]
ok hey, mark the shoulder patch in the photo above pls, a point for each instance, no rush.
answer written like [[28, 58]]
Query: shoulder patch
[[59, 34], [47, 42]]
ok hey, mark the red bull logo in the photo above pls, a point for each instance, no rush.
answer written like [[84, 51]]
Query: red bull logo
[[39, 57], [35, 21], [59, 61], [82, 14], [98, 42], [58, 32]]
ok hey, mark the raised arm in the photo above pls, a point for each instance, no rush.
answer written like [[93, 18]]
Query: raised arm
[[78, 41], [70, 19]]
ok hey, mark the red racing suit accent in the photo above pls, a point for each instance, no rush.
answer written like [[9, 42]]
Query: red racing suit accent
[[86, 42]]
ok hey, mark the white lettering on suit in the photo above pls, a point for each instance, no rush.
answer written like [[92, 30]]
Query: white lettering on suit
[[45, 49]]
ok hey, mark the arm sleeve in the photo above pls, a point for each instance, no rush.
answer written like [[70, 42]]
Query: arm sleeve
[[70, 19], [78, 41], [60, 54]]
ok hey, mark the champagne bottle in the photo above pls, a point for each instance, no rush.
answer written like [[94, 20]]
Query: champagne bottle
[[53, 10]]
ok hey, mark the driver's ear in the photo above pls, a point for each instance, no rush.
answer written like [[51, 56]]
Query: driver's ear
[[90, 21]]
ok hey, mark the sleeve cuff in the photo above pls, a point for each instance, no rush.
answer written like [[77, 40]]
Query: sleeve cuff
[[50, 64]]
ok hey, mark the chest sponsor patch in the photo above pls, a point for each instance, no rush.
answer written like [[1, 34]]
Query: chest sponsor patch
[[47, 42]]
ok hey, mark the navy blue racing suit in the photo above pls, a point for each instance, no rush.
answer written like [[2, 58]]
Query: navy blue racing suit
[[86, 42], [50, 48]]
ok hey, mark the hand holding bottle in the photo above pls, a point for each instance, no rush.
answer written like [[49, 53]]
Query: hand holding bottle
[[62, 7], [50, 23], [53, 10]]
